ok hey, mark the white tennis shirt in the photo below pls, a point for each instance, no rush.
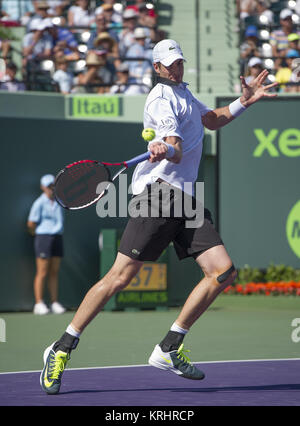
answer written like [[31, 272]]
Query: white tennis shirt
[[172, 110]]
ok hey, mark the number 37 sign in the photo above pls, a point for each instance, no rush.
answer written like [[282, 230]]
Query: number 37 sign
[[151, 276]]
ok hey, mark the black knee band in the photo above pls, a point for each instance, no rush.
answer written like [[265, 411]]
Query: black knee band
[[223, 277]]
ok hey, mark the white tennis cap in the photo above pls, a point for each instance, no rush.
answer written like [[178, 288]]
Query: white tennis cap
[[167, 51], [254, 61], [47, 180], [285, 13]]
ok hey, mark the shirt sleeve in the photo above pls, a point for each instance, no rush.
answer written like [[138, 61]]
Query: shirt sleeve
[[203, 109], [35, 212], [161, 113]]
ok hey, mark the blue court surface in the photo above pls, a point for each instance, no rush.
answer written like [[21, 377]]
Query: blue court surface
[[228, 383]]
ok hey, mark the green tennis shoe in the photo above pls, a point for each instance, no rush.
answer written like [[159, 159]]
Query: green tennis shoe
[[54, 366], [176, 362]]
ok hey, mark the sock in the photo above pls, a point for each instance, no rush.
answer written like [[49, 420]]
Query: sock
[[68, 341], [72, 331], [176, 327]]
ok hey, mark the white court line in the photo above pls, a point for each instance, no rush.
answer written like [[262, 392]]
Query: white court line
[[147, 365]]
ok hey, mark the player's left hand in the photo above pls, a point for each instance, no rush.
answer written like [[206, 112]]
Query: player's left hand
[[255, 90], [158, 152]]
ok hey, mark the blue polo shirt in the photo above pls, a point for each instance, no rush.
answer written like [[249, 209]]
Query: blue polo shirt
[[48, 215]]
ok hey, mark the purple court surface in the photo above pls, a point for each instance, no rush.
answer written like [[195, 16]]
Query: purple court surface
[[237, 383]]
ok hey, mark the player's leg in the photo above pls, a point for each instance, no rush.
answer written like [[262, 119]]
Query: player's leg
[[218, 274], [57, 355], [143, 239], [206, 246], [119, 276]]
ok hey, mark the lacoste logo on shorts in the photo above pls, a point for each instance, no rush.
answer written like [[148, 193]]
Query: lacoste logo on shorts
[[135, 251]]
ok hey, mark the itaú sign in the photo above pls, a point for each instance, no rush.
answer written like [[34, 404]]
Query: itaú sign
[[94, 106], [275, 143]]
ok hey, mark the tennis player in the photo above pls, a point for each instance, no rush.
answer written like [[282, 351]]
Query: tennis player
[[178, 119]]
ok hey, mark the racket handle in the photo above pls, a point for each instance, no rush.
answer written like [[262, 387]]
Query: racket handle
[[138, 159]]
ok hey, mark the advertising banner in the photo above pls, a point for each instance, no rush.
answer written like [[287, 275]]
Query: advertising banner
[[259, 184]]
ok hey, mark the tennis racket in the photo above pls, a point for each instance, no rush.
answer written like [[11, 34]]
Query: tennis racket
[[75, 186]]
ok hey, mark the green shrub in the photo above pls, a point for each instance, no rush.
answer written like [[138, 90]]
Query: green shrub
[[274, 273], [249, 275], [278, 273]]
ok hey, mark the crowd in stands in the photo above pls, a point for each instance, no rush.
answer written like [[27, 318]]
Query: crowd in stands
[[83, 46], [270, 38], [104, 46]]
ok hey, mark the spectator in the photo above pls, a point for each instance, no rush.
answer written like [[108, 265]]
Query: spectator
[[141, 7], [62, 77], [147, 18], [284, 73], [246, 8], [90, 81], [106, 71], [41, 11], [63, 41], [37, 44], [101, 27], [10, 83], [17, 10], [45, 223], [255, 67], [81, 15], [250, 47], [139, 68], [262, 9], [293, 40], [295, 77], [122, 84], [57, 7], [130, 17], [279, 38], [114, 16], [105, 42]]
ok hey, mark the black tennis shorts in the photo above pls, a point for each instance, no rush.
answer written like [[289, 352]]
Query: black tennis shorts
[[46, 246], [145, 238]]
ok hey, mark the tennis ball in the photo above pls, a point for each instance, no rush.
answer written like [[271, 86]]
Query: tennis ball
[[148, 134]]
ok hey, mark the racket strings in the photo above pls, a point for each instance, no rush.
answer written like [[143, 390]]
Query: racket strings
[[77, 185]]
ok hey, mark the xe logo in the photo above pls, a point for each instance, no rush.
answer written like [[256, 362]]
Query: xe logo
[[274, 143]]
